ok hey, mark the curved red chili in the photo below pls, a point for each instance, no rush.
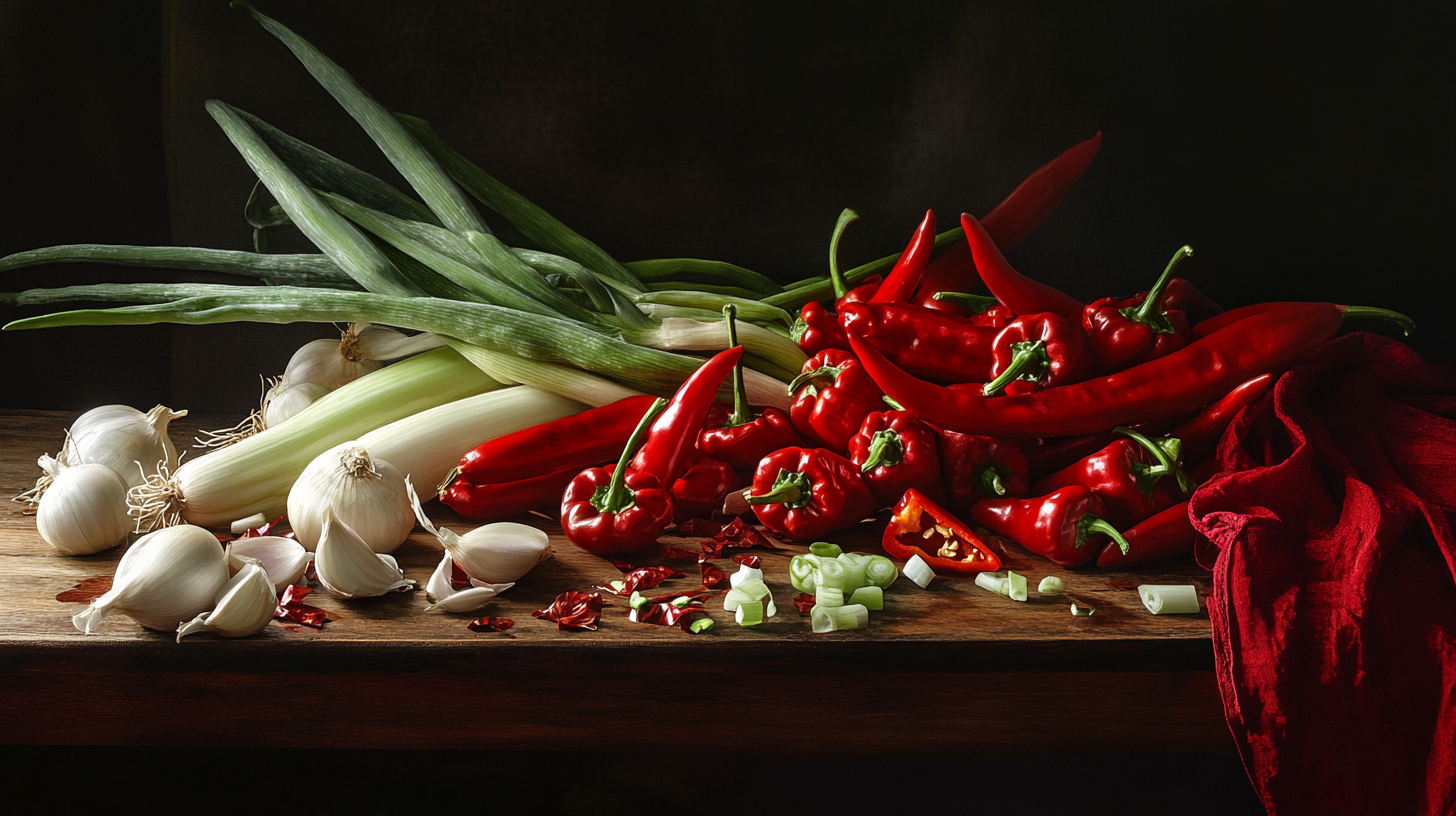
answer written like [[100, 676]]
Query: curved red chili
[[927, 343], [670, 444], [1016, 292], [902, 281]]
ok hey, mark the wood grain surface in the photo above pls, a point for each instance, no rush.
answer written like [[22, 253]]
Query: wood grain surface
[[951, 667]]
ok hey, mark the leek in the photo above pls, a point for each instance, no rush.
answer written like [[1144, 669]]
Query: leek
[[276, 270], [660, 270]]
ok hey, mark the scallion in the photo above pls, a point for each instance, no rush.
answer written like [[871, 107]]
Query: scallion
[[918, 571]]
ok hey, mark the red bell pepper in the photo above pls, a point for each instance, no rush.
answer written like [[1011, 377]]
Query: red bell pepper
[[1168, 534], [976, 467], [902, 281], [701, 490], [506, 499], [927, 343], [807, 493], [616, 509], [1064, 526], [896, 452], [571, 442], [1036, 352], [674, 437], [833, 395], [1134, 476], [738, 437], [919, 526], [1125, 332], [817, 329]]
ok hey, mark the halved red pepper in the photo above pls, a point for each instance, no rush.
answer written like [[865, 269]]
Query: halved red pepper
[[808, 493], [737, 436], [1064, 526], [1168, 534], [927, 343], [1036, 352], [1124, 332], [976, 467], [919, 526], [896, 452], [833, 395], [1135, 477], [674, 437], [616, 509]]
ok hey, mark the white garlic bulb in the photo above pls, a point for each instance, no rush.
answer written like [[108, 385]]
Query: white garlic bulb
[[124, 439], [284, 559], [367, 494], [285, 399], [165, 578], [349, 569], [244, 606], [361, 348], [498, 553], [83, 510], [446, 598]]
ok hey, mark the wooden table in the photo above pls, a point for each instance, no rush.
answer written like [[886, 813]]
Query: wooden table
[[949, 668]]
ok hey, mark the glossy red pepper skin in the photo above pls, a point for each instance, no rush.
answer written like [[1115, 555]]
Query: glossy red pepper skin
[[807, 493], [577, 441], [817, 329], [701, 490], [925, 342], [1061, 526], [859, 294], [1041, 351], [1183, 382], [1124, 476], [896, 452], [951, 547], [832, 396], [1186, 298], [614, 533], [1016, 292], [1200, 435], [975, 467], [902, 281], [996, 317], [742, 446], [667, 453], [1168, 534], [506, 499], [1118, 343]]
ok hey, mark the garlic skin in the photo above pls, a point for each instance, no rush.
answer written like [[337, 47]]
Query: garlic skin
[[349, 569], [283, 559], [368, 495], [124, 439], [84, 509], [244, 606], [165, 578], [285, 399], [360, 349], [498, 553], [447, 599]]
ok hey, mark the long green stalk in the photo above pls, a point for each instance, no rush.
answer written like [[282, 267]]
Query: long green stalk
[[752, 310], [278, 270], [717, 272], [795, 296]]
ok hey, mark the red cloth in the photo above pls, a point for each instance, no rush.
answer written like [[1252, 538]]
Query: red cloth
[[1334, 599]]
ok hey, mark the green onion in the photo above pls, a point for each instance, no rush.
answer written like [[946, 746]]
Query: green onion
[[700, 625], [834, 618], [604, 298], [1170, 599], [870, 597], [749, 613], [277, 270], [745, 573], [919, 572], [751, 310], [825, 549], [803, 570], [992, 582], [1050, 585], [637, 600], [704, 288], [718, 272], [1082, 611], [829, 596], [781, 356], [1015, 586], [563, 381]]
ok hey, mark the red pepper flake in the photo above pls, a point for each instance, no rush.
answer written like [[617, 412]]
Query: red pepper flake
[[696, 597], [88, 590], [750, 561], [666, 614], [291, 607], [458, 577], [573, 610], [734, 536], [804, 603], [697, 527], [262, 529], [644, 578], [713, 577], [489, 624]]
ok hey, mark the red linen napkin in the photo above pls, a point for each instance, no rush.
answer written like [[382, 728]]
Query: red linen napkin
[[1334, 600]]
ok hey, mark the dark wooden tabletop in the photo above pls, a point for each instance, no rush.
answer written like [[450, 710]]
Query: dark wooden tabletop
[[949, 667]]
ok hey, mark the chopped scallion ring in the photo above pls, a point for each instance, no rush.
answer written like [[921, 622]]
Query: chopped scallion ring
[[1082, 611], [870, 597], [991, 582], [918, 571], [1015, 585], [1051, 585], [825, 549], [749, 613]]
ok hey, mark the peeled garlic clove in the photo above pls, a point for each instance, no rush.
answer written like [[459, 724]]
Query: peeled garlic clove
[[84, 509], [246, 605], [498, 553], [286, 399], [349, 569], [284, 559], [367, 494], [165, 578], [446, 598], [124, 439]]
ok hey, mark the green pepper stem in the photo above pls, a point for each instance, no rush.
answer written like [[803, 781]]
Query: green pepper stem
[[1028, 361], [886, 450], [790, 489], [1376, 313], [845, 219], [1089, 525], [1148, 479], [891, 402], [616, 497], [976, 303], [822, 372], [742, 414], [989, 481], [1148, 312]]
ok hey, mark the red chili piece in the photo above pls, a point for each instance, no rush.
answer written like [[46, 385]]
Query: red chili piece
[[975, 467], [1184, 297], [1125, 332], [921, 527], [617, 509], [902, 281], [490, 624], [573, 610], [738, 437], [735, 535], [700, 491], [507, 499], [569, 443], [808, 493], [1036, 352], [817, 329], [925, 342], [896, 452], [1064, 526], [833, 396], [1016, 292], [1168, 534], [1200, 434], [1134, 476], [669, 447]]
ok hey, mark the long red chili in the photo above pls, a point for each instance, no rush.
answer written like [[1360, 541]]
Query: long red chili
[[1016, 292], [506, 499], [576, 441], [902, 281], [674, 435]]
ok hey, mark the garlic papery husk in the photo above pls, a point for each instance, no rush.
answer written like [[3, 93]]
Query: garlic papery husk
[[124, 439], [498, 553], [246, 604], [367, 494], [164, 579], [284, 559], [446, 598], [84, 509], [349, 569], [285, 399], [360, 349]]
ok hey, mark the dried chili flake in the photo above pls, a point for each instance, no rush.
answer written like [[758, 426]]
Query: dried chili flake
[[698, 527], [262, 529], [691, 616], [735, 535], [291, 607], [713, 577], [750, 561], [489, 624], [667, 614], [88, 590], [623, 565], [804, 603], [641, 578], [573, 610]]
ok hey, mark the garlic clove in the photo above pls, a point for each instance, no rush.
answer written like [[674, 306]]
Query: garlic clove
[[349, 569], [286, 399], [497, 553], [284, 559], [360, 349], [446, 598], [83, 510], [246, 605], [367, 494], [391, 344], [163, 579], [132, 443]]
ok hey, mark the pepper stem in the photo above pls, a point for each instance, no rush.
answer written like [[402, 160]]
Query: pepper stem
[[989, 479], [886, 450], [792, 490], [1377, 313], [1148, 313], [1028, 361], [742, 415], [822, 372], [615, 497], [1090, 525], [976, 303], [845, 219], [1166, 452], [892, 403]]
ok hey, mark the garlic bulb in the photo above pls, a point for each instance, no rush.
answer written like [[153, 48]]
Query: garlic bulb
[[446, 598], [244, 606], [284, 559], [366, 494], [165, 578], [361, 348], [124, 439], [286, 398], [83, 510], [498, 553], [349, 569]]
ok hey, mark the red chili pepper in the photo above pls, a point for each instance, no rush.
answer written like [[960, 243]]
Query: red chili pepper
[[1016, 292], [700, 491], [927, 343], [1036, 352], [1168, 534], [980, 310], [808, 493], [738, 437], [895, 452], [506, 499], [616, 509], [1182, 295], [919, 526], [905, 277], [817, 329], [571, 442], [833, 396], [976, 467], [1125, 332], [668, 450], [1184, 381], [1200, 434], [1063, 526], [1010, 222], [1135, 477]]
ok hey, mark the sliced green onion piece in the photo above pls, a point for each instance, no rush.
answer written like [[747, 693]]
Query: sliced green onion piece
[[1051, 585], [829, 596], [1082, 611], [870, 597], [832, 619], [992, 582], [754, 589], [919, 572], [1175, 599], [681, 601], [749, 613], [618, 586], [745, 573], [803, 571], [1015, 586], [880, 571], [701, 625], [769, 610], [832, 574], [732, 599], [637, 600]]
